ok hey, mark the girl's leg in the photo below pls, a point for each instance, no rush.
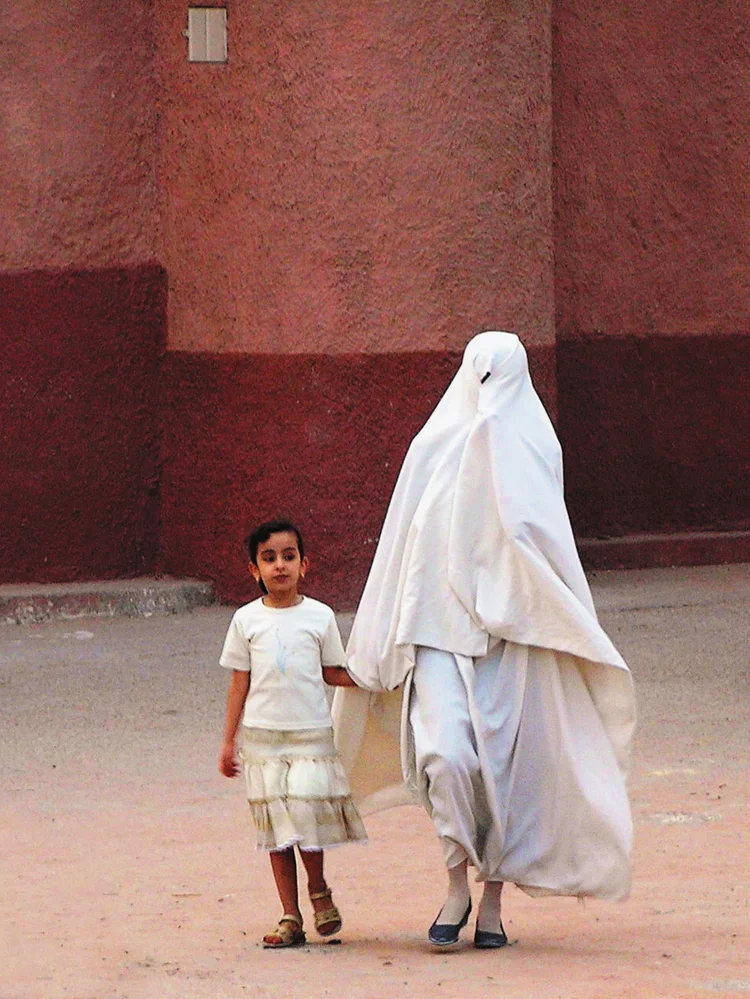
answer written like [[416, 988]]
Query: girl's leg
[[316, 884], [313, 862], [284, 869], [289, 932], [489, 915]]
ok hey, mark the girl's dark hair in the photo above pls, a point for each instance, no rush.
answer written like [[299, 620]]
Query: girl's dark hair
[[264, 531]]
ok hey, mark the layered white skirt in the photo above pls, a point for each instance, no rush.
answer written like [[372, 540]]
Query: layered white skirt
[[513, 763], [297, 790]]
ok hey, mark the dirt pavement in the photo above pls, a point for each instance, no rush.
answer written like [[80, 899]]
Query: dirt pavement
[[126, 863]]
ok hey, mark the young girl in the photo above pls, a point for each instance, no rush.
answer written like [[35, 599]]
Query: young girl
[[282, 649]]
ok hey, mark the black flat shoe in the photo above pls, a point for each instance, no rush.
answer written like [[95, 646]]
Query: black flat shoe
[[486, 940], [443, 934]]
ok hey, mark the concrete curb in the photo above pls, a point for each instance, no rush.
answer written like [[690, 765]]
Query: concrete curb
[[32, 603]]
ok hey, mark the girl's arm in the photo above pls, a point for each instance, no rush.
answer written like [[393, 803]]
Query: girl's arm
[[238, 688], [337, 676]]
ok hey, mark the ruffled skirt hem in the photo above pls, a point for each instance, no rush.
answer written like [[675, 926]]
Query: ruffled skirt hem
[[298, 791], [309, 824]]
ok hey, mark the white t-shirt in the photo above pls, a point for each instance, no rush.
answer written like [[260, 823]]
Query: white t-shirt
[[284, 649]]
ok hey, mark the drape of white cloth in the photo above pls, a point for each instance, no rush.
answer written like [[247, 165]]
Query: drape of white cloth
[[477, 545], [514, 766], [477, 549]]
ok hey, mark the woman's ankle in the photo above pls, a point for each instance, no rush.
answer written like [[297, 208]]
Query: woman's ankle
[[489, 916], [458, 897]]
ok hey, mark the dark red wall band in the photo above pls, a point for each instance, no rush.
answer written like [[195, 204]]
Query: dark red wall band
[[78, 423], [655, 433], [319, 438]]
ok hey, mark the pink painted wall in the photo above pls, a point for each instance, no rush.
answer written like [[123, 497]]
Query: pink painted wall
[[651, 140], [345, 203], [358, 177], [78, 157]]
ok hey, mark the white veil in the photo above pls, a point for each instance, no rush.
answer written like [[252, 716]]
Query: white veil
[[477, 546]]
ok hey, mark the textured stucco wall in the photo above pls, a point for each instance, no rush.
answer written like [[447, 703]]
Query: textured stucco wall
[[79, 383], [336, 211], [345, 203], [82, 305], [319, 438], [652, 257], [358, 177], [78, 116], [651, 141]]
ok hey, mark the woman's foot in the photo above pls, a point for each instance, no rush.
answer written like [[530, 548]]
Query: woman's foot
[[486, 940], [459, 895], [455, 911], [489, 931], [442, 934], [454, 908]]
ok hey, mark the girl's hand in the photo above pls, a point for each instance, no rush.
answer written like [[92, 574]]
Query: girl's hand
[[228, 764], [338, 676]]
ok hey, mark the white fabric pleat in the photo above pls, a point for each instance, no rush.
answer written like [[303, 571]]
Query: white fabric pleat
[[516, 770], [477, 545]]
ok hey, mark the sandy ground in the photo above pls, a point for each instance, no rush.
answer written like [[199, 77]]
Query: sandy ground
[[127, 870]]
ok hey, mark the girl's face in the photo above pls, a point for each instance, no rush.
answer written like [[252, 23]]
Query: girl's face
[[280, 567]]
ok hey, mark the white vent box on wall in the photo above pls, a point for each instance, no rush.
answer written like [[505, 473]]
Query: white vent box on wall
[[207, 34]]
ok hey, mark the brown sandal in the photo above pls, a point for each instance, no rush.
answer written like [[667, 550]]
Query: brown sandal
[[330, 918], [288, 933]]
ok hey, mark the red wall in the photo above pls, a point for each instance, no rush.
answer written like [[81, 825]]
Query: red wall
[[82, 304], [655, 433], [319, 438], [78, 428], [334, 213], [345, 203], [78, 156], [651, 137]]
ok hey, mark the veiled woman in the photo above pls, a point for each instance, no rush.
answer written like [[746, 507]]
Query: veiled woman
[[510, 709]]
